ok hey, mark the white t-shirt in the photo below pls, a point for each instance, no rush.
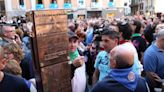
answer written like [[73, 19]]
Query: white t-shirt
[[79, 79]]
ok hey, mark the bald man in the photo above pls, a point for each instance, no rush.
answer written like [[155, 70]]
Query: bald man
[[121, 78], [120, 59]]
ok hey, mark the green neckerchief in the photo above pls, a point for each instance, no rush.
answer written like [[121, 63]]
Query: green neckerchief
[[136, 35], [73, 55]]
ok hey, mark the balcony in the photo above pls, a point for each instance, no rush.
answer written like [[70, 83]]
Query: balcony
[[39, 6], [22, 7], [81, 4], [110, 4], [67, 5], [53, 6]]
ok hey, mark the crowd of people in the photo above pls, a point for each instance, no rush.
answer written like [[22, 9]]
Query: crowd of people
[[16, 64], [106, 55], [120, 54]]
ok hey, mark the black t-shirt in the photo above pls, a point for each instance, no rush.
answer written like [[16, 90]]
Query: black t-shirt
[[148, 33], [12, 83], [140, 45]]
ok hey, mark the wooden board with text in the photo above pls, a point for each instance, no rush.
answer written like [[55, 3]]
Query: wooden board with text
[[49, 47]]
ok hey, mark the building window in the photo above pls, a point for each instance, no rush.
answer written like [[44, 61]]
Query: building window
[[95, 1], [81, 2], [110, 0], [54, 1], [67, 4], [111, 3], [39, 2], [67, 1], [125, 4], [2, 8], [39, 5], [21, 2], [53, 4]]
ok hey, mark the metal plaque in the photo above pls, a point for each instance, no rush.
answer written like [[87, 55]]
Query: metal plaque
[[56, 78], [51, 34], [49, 44]]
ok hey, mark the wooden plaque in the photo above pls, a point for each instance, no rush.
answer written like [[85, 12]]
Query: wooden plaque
[[56, 78], [51, 34], [49, 47]]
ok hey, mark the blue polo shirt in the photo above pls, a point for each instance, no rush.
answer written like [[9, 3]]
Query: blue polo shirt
[[89, 36], [154, 60], [102, 63]]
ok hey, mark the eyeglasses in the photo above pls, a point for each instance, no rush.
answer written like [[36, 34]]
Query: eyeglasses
[[9, 31]]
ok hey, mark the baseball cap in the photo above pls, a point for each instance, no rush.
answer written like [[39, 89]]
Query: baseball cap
[[72, 35]]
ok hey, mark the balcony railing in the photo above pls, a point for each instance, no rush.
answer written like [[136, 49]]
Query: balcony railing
[[53, 6], [22, 7], [39, 6], [67, 5], [110, 4]]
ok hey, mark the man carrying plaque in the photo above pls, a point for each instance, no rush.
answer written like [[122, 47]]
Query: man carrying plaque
[[77, 64]]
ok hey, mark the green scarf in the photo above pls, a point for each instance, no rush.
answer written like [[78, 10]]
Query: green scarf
[[73, 55]]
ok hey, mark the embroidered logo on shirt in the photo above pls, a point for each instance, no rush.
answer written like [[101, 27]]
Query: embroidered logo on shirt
[[131, 76]]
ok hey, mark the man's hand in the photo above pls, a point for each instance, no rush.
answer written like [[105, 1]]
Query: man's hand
[[79, 61], [155, 80]]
